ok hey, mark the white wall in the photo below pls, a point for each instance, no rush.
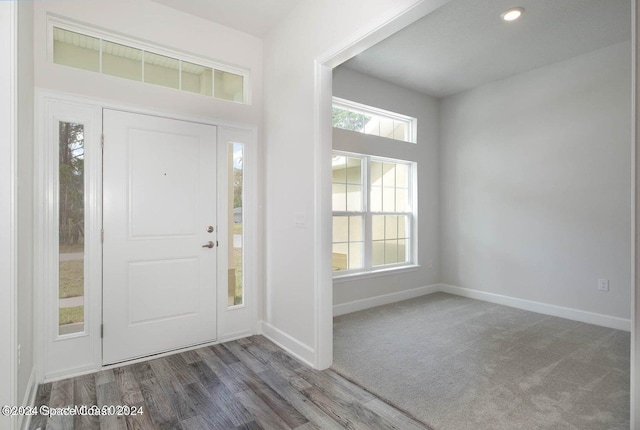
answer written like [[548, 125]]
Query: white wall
[[160, 25], [351, 85], [536, 184], [25, 198]]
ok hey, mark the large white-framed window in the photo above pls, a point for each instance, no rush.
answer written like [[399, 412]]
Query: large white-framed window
[[349, 115], [374, 213], [82, 47]]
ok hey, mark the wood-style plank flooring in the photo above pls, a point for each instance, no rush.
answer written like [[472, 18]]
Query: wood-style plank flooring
[[245, 384]]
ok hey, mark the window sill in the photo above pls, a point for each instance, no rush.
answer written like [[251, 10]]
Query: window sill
[[337, 279]]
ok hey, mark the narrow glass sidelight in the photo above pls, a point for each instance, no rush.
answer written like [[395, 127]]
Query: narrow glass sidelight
[[71, 228], [236, 224]]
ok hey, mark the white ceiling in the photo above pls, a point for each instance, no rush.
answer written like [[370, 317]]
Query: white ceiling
[[255, 17], [465, 44]]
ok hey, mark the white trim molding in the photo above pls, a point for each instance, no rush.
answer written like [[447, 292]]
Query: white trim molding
[[527, 305], [322, 280], [294, 347], [8, 207], [635, 238], [24, 422], [229, 337], [541, 308], [385, 299]]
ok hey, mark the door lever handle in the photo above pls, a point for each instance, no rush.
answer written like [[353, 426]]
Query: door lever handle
[[208, 245]]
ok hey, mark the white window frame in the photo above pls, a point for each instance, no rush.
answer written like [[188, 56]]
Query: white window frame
[[54, 21], [351, 106], [367, 214]]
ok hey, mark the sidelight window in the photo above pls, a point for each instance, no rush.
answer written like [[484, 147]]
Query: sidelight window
[[236, 224], [71, 303]]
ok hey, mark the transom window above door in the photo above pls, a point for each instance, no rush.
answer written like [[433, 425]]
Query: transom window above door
[[109, 54], [373, 213]]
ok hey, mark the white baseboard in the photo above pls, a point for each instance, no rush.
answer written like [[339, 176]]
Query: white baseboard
[[541, 308], [24, 421], [293, 346], [527, 305], [385, 299], [236, 335], [71, 373]]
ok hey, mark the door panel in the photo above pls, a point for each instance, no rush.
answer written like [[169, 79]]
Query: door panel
[[163, 162], [162, 289], [159, 282]]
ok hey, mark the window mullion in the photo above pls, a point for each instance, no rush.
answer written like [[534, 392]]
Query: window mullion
[[412, 185], [367, 213]]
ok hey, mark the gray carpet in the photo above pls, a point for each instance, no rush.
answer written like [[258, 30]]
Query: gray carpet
[[456, 363]]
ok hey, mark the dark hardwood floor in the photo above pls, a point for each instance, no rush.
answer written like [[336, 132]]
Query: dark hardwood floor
[[245, 384]]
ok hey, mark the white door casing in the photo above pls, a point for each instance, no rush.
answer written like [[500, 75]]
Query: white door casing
[[8, 213], [159, 189], [63, 356]]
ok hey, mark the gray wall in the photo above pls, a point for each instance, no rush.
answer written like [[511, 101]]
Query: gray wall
[[370, 91], [25, 196], [536, 184]]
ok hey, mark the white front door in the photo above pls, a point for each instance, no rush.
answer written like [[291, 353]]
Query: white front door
[[159, 280]]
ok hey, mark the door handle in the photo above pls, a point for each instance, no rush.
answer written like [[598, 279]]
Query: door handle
[[208, 245]]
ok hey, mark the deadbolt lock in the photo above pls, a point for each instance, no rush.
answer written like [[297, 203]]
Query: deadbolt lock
[[210, 229]]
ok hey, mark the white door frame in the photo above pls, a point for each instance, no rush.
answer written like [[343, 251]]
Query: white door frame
[[8, 207], [635, 228], [232, 323], [323, 90]]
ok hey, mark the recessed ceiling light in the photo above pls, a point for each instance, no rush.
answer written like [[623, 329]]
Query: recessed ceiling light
[[512, 14]]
